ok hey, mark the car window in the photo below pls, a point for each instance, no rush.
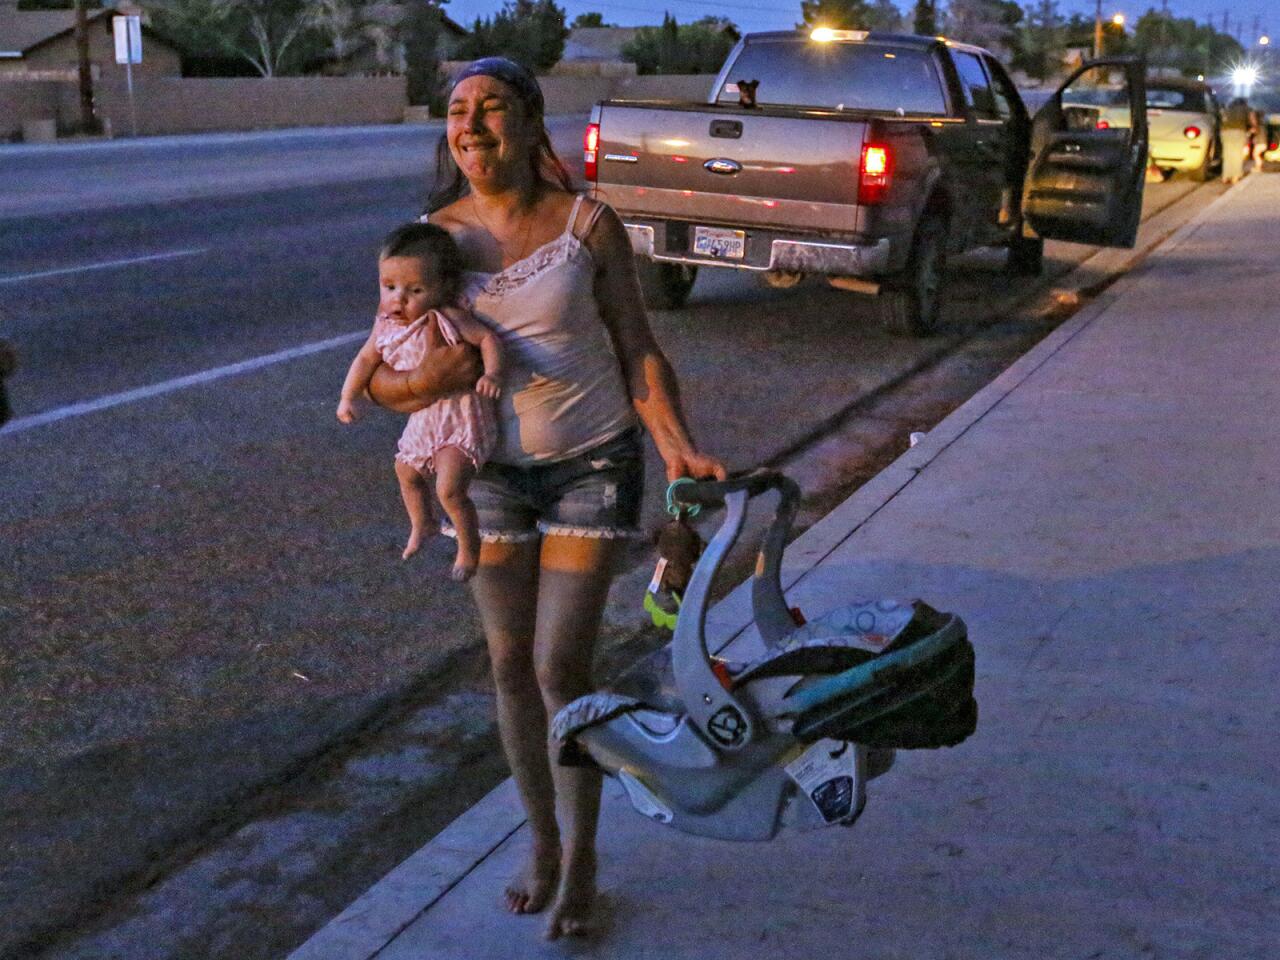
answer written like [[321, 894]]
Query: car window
[[1002, 91], [1171, 98], [839, 75], [977, 88]]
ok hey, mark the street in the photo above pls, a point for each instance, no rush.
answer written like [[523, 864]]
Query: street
[[200, 584]]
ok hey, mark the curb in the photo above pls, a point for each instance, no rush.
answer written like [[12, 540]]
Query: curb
[[374, 919]]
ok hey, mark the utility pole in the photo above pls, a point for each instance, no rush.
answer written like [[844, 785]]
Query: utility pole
[[1097, 31], [88, 119], [1164, 33]]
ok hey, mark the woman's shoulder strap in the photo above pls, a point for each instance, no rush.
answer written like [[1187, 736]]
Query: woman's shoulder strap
[[580, 224]]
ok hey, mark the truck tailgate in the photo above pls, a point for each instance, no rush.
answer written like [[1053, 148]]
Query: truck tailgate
[[731, 166]]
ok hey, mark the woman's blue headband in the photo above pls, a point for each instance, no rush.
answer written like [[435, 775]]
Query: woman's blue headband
[[518, 78]]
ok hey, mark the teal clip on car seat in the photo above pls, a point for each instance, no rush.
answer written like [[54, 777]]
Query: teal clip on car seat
[[786, 734]]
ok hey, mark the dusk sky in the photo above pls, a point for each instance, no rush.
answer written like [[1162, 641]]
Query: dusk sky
[[785, 14]]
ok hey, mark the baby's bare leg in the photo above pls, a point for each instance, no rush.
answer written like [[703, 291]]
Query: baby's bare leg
[[453, 476], [417, 503]]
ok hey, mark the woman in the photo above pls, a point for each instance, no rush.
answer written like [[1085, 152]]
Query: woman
[[1234, 132], [554, 274]]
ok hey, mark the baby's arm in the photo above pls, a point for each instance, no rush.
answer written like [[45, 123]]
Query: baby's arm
[[357, 381], [476, 333]]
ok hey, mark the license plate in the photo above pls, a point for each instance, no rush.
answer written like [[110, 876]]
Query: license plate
[[717, 242]]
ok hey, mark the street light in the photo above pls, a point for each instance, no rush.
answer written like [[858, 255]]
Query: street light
[[1117, 20], [1263, 40]]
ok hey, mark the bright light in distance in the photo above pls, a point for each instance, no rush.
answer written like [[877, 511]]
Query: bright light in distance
[[1244, 76], [1263, 40], [1118, 20]]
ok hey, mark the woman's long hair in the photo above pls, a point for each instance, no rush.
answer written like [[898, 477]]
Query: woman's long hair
[[451, 185]]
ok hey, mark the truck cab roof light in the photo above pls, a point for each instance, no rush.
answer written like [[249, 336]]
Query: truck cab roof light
[[827, 35]]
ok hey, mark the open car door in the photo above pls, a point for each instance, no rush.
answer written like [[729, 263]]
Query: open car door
[[1088, 157]]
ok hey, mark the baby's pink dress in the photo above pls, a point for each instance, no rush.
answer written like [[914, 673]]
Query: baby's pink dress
[[464, 420]]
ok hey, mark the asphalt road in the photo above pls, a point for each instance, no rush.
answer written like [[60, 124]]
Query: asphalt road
[[200, 585]]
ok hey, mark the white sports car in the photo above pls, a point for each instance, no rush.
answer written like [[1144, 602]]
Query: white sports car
[[1183, 124]]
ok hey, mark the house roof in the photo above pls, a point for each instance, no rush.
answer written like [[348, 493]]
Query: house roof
[[597, 43], [23, 30]]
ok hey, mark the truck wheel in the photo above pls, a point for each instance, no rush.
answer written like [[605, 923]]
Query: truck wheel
[[910, 304], [1026, 256], [665, 286]]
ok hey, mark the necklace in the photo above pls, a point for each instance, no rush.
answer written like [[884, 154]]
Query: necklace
[[524, 239]]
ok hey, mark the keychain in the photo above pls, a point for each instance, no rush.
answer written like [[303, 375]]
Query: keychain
[[679, 547]]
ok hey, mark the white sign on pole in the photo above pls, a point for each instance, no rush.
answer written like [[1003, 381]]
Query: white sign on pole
[[128, 36]]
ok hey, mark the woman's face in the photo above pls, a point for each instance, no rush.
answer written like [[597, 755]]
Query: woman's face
[[488, 131]]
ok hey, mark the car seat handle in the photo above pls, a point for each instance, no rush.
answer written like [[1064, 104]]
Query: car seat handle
[[712, 493], [773, 617], [721, 718]]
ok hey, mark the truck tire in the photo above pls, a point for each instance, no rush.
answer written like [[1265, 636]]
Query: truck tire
[[910, 303], [665, 286], [1026, 256]]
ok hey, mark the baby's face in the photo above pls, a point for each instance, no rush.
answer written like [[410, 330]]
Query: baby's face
[[408, 288]]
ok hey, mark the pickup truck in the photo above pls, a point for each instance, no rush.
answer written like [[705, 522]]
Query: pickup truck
[[866, 158]]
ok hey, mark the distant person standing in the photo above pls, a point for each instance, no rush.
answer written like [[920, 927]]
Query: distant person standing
[[1258, 133], [1235, 135]]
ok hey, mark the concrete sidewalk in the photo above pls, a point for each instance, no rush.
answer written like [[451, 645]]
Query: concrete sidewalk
[[1106, 518]]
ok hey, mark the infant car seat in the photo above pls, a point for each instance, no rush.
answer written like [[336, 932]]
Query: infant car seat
[[787, 735]]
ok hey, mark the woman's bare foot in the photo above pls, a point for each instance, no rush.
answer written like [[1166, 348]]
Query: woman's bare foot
[[530, 890], [572, 914], [415, 541]]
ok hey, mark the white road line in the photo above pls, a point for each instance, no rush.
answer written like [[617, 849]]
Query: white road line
[[104, 265], [192, 380]]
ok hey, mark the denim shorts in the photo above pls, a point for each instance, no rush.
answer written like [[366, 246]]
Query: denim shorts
[[594, 494]]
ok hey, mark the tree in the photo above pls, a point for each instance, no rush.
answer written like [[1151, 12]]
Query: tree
[[924, 18], [885, 16], [836, 14], [88, 116], [531, 32], [592, 19], [699, 47], [1183, 45], [1038, 51], [985, 23], [343, 23], [274, 36], [420, 33]]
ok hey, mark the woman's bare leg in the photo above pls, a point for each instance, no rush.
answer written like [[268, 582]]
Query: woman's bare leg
[[572, 588], [417, 503], [505, 588], [454, 471]]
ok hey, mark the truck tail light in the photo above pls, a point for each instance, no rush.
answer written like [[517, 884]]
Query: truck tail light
[[874, 173], [1191, 133], [590, 148]]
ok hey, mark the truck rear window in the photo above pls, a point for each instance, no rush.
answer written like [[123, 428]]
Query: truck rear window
[[841, 76]]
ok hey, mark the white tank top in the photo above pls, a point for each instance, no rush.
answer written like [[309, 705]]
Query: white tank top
[[562, 386]]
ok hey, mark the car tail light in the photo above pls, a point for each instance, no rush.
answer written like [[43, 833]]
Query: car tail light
[[874, 173], [1273, 146], [590, 147], [1191, 133], [1104, 124]]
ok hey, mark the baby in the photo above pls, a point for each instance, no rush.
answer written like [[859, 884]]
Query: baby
[[420, 277]]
